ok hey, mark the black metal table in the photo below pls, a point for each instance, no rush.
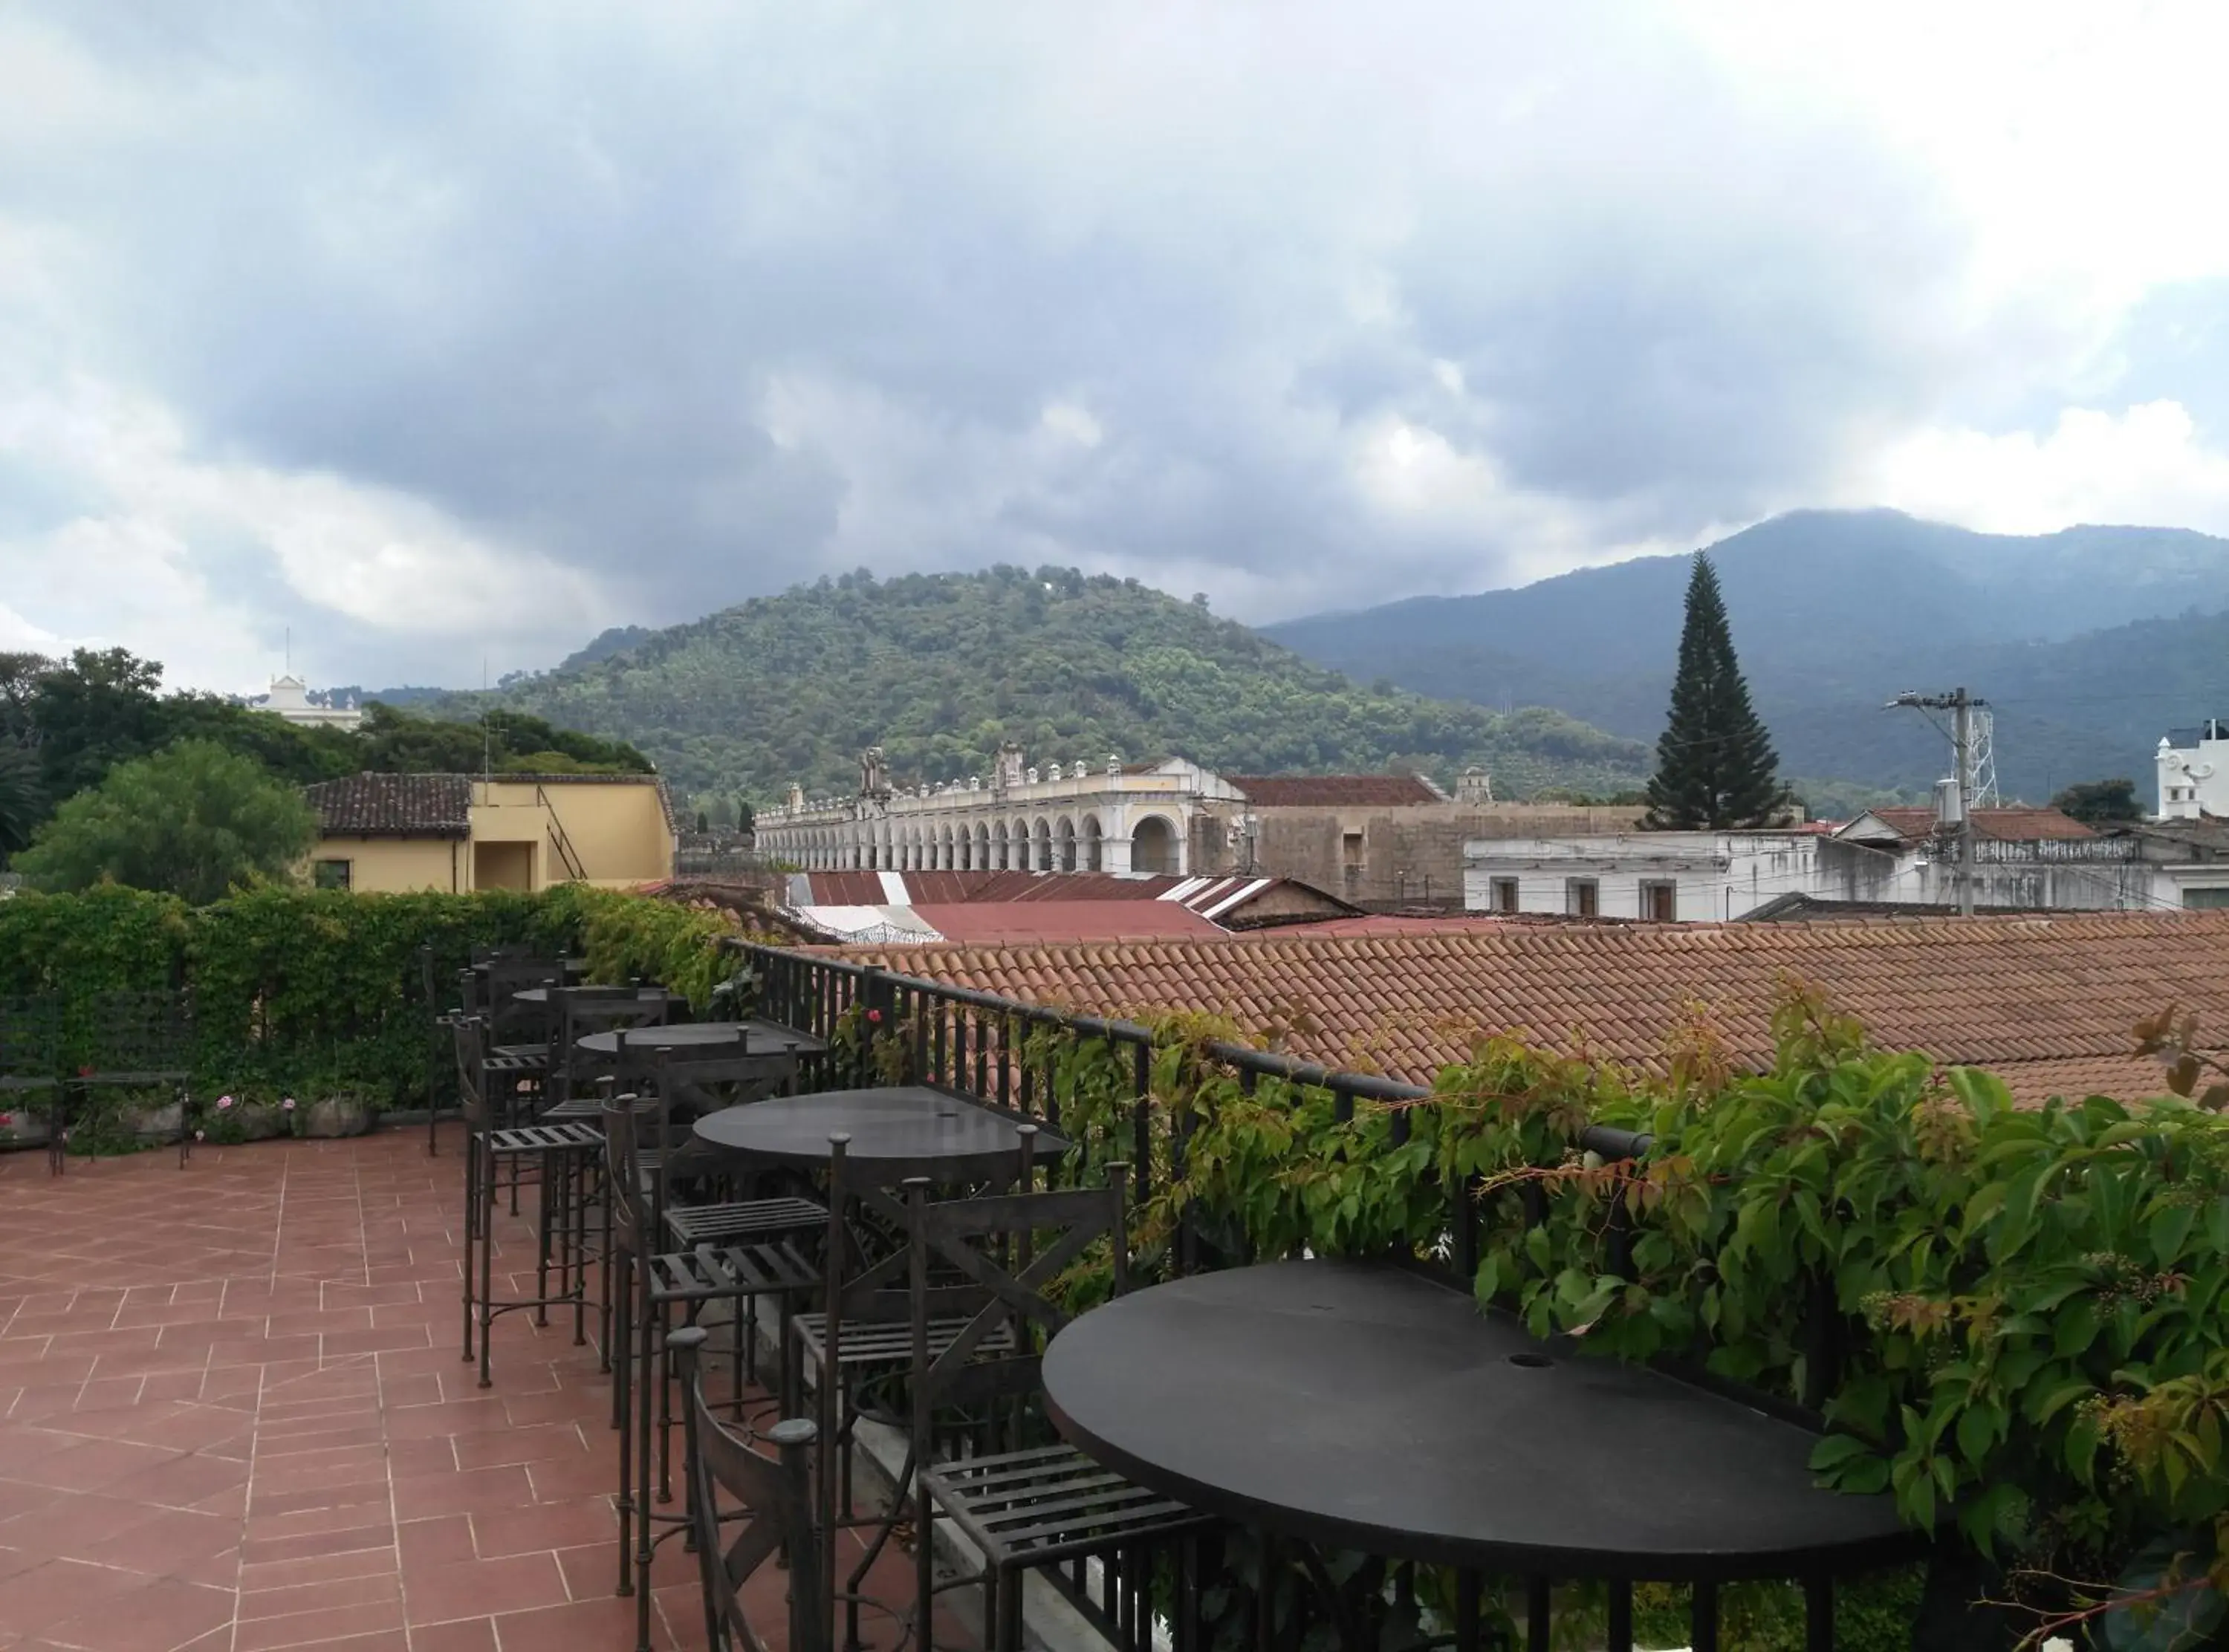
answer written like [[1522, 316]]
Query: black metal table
[[540, 995], [1364, 1406], [897, 1132], [765, 1038]]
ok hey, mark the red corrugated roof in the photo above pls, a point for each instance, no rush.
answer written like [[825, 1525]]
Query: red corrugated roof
[[951, 888], [977, 923]]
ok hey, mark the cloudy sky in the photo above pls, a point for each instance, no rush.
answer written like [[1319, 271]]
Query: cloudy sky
[[447, 332]]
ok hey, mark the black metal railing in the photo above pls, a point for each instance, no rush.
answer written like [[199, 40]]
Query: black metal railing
[[980, 1044]]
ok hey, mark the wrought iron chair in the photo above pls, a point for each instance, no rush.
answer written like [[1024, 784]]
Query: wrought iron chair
[[649, 1286], [770, 1497], [861, 1340], [437, 1039], [514, 1027], [136, 1041], [577, 1012], [569, 1093], [30, 1059], [490, 1145], [1027, 1506]]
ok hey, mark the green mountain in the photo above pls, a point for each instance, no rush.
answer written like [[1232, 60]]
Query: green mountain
[[2090, 643], [939, 669]]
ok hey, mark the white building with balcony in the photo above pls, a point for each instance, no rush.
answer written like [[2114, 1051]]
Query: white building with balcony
[[290, 698], [2193, 771]]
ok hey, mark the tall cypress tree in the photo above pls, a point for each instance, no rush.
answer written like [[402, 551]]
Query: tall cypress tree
[[1715, 767]]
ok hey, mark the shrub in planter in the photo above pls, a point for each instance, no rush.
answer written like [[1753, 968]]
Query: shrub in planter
[[23, 1126], [334, 1116], [232, 1118]]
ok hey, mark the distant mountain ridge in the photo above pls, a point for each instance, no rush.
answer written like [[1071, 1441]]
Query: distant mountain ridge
[[939, 669], [2090, 642]]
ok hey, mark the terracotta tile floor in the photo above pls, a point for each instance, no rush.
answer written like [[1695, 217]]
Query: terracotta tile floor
[[233, 1416]]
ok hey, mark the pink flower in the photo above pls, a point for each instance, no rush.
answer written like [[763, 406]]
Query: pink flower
[[224, 1104], [7, 1121], [288, 1104], [874, 1018]]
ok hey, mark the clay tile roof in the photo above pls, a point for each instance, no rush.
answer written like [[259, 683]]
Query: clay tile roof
[[2046, 1003], [1332, 790], [2017, 825], [394, 805]]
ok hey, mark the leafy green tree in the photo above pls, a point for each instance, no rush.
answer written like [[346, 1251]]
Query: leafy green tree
[[2101, 802], [195, 819], [22, 799], [1715, 766]]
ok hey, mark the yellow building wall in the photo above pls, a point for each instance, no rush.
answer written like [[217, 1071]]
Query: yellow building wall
[[397, 864], [617, 831]]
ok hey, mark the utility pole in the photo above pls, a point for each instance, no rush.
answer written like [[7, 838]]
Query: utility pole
[[1961, 706]]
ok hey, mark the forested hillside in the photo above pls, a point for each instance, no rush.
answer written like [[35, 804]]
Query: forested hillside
[[938, 669], [1835, 611]]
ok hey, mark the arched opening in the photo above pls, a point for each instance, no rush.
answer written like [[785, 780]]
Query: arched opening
[[1154, 847], [1065, 844], [947, 862], [999, 849], [1019, 862], [1041, 846], [982, 847], [1094, 859]]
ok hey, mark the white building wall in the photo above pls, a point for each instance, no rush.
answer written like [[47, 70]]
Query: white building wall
[[1718, 877], [1714, 875], [906, 829], [2193, 772]]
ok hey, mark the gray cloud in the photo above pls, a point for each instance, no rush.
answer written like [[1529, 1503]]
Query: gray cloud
[[690, 304]]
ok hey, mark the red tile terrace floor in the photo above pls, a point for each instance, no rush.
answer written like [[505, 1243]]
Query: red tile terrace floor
[[233, 1416]]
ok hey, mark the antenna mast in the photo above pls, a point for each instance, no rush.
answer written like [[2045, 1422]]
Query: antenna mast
[[1965, 711], [1981, 757]]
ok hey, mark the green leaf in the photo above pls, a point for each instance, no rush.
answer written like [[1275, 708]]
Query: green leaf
[[1835, 1451], [2168, 1229], [1977, 1431]]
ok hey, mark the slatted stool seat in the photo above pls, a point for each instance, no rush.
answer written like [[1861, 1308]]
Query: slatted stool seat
[[869, 1347], [559, 1151], [1052, 1504], [693, 1225]]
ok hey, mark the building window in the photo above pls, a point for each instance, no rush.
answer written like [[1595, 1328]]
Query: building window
[[2206, 900], [1582, 897], [1505, 895], [1350, 845], [1660, 901], [328, 874]]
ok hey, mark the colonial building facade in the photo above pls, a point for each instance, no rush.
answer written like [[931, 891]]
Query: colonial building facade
[[1376, 841], [1061, 817]]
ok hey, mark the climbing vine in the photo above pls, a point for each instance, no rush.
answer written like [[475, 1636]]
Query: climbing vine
[[313, 993], [2027, 1304]]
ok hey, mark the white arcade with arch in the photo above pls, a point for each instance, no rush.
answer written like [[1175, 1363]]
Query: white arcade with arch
[[1064, 817]]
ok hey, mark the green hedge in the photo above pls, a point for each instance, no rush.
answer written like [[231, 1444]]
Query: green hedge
[[319, 992]]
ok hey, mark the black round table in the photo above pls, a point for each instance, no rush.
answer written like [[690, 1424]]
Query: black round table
[[540, 995], [898, 1132], [766, 1038], [1364, 1406]]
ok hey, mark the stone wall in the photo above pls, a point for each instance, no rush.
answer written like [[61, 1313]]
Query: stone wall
[[1383, 857]]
